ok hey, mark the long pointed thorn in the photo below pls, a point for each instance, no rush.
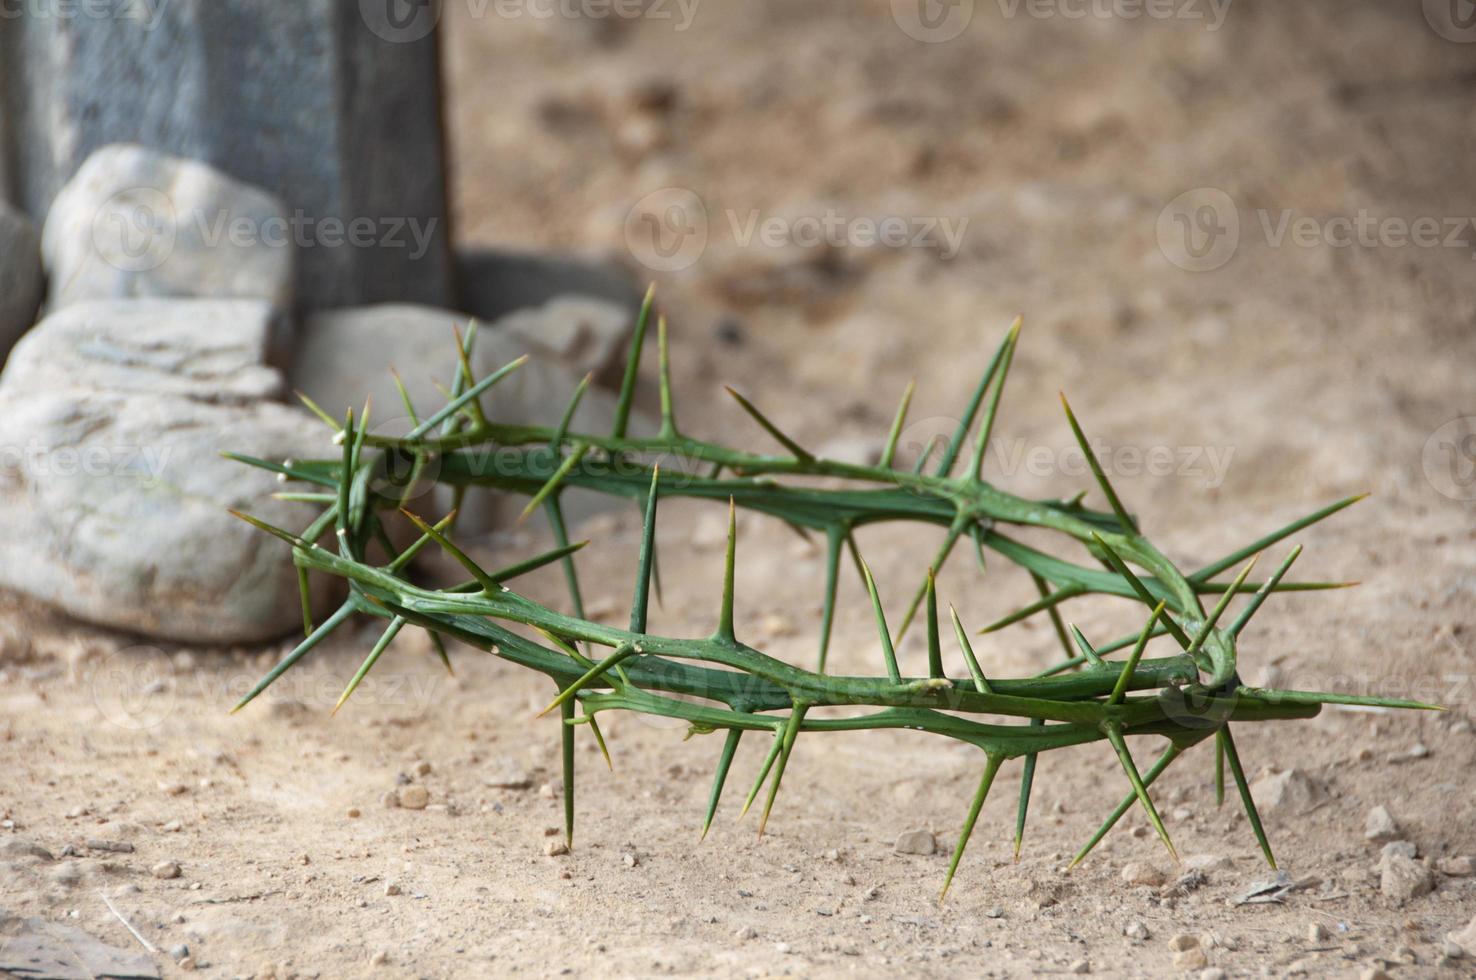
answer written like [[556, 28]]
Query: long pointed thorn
[[633, 365], [889, 653], [641, 600], [1125, 678], [328, 625], [567, 419], [935, 647], [551, 486], [621, 654], [725, 615], [1214, 616], [1219, 772], [561, 537], [1096, 467], [898, 420], [475, 405], [725, 762], [1027, 781], [538, 561], [380, 646], [791, 732], [955, 531], [990, 768], [487, 582], [981, 683], [668, 412], [976, 468], [317, 410], [1025, 612], [566, 739], [966, 421], [835, 539], [1136, 584], [1170, 753], [1232, 757], [405, 399], [458, 402], [1236, 557], [795, 448], [1114, 735], [594, 729], [305, 596], [763, 772], [1087, 650], [1263, 592]]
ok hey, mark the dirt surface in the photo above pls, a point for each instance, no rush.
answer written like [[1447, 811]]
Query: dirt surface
[[1279, 376]]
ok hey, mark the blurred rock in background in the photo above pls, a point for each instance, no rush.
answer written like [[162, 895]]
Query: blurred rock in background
[[336, 112]]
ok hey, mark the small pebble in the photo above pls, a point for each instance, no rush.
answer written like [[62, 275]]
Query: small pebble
[[178, 952], [745, 933], [630, 859], [422, 768], [1213, 973], [1136, 930], [380, 958], [554, 848], [390, 800], [1317, 932], [916, 842], [1182, 942], [995, 913], [1457, 867], [174, 789], [172, 827], [187, 964], [165, 869], [390, 888], [1380, 825], [1191, 959], [1080, 966], [353, 812], [1138, 873], [414, 797]]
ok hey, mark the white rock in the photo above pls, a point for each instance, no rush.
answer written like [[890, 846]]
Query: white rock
[[585, 334], [1457, 867], [1380, 825], [1139, 873], [208, 350], [134, 222], [1403, 878], [1465, 938], [1292, 789], [113, 509], [915, 842], [21, 281]]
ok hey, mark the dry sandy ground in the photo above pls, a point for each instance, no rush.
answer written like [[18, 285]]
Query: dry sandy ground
[[1309, 371]]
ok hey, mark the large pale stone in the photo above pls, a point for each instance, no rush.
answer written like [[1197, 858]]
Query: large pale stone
[[137, 223], [113, 509], [21, 282], [209, 350], [331, 105], [113, 492]]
